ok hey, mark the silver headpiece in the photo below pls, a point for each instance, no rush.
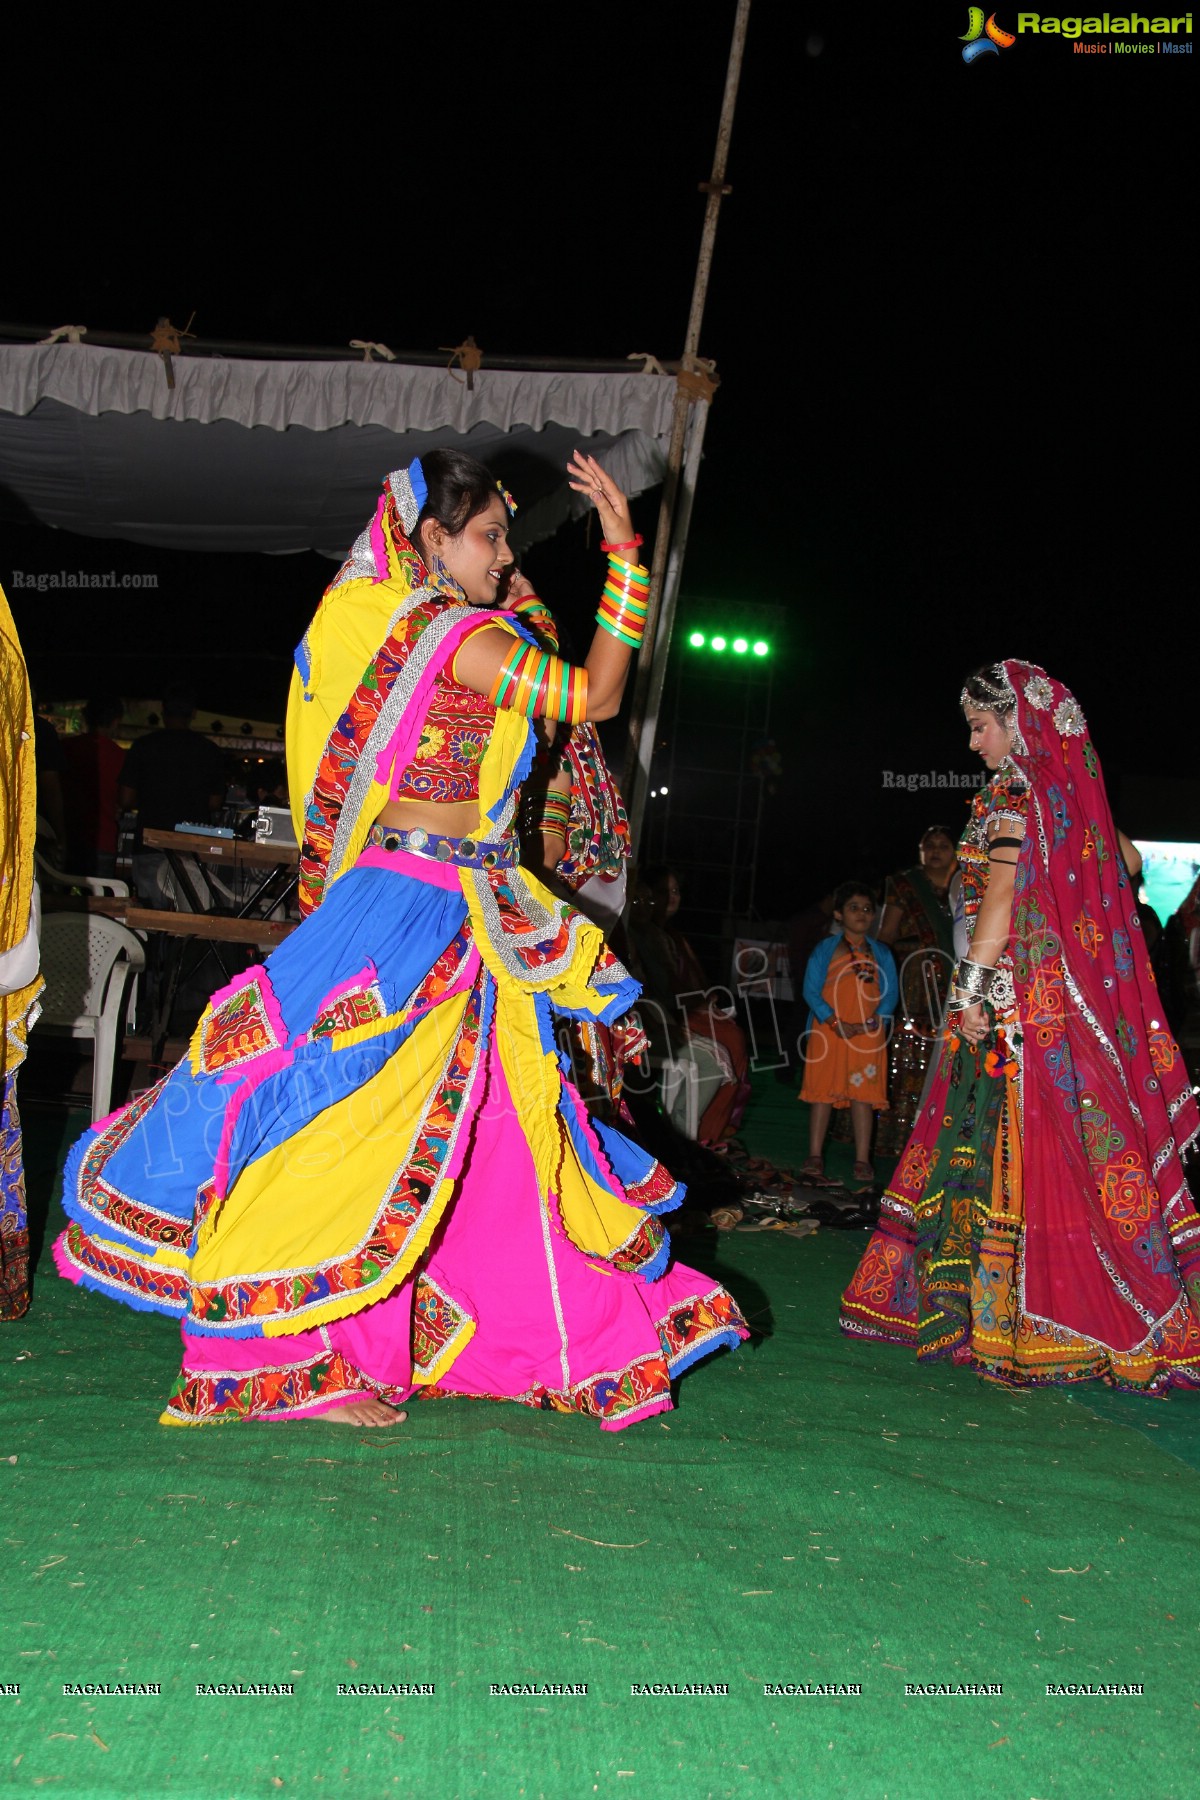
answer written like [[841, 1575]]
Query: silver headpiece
[[994, 695]]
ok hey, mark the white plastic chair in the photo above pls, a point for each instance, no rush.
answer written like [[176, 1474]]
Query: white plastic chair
[[680, 1095], [691, 1080], [51, 877], [104, 887], [88, 962]]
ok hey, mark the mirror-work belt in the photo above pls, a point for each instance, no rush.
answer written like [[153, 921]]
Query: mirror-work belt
[[468, 852]]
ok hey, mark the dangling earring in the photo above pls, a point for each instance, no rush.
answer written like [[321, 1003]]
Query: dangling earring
[[441, 579]]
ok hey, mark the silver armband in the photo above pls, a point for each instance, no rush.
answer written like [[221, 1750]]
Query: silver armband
[[973, 981]]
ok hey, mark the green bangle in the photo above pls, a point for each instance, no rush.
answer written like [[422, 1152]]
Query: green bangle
[[635, 643], [623, 601]]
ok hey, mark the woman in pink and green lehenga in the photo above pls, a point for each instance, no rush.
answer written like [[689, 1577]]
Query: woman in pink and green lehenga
[[372, 1177], [1039, 1227]]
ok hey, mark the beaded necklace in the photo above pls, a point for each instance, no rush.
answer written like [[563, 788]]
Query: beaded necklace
[[861, 966]]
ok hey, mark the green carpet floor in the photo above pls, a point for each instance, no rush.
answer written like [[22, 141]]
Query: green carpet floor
[[815, 1511]]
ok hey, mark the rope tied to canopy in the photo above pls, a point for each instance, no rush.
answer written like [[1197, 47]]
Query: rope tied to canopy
[[469, 358]]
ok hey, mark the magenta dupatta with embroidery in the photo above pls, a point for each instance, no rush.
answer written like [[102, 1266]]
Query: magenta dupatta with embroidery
[[1106, 1099]]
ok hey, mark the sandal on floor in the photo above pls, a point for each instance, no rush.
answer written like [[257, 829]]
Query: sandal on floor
[[726, 1217], [863, 1176], [811, 1172], [790, 1227]]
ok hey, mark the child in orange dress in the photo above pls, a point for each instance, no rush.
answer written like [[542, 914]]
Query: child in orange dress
[[851, 988]]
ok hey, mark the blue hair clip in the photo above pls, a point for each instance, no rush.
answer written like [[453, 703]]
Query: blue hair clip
[[507, 499], [420, 487]]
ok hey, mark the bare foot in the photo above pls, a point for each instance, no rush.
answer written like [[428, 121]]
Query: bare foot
[[365, 1412]]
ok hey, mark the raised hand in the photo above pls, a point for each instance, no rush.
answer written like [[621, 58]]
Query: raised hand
[[586, 476]]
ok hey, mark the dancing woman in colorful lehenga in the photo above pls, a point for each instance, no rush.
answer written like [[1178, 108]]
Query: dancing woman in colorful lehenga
[[371, 1176], [1039, 1227]]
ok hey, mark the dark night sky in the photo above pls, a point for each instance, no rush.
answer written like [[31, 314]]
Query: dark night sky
[[945, 307]]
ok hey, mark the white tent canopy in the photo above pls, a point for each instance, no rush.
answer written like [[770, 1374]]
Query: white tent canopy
[[279, 456]]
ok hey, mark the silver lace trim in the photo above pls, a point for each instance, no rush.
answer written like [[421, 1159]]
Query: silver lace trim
[[403, 689], [552, 1273], [1104, 1042], [543, 922]]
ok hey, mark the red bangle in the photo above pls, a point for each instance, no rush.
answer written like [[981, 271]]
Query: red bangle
[[633, 544]]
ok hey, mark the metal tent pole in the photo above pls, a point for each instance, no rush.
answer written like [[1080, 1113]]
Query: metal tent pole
[[659, 644], [693, 393]]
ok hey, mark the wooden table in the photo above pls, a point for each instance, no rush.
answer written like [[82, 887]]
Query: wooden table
[[218, 928], [275, 868], [215, 928], [275, 865], [109, 906], [273, 871]]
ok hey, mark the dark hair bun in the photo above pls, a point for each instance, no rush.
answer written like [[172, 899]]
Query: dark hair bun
[[458, 489]]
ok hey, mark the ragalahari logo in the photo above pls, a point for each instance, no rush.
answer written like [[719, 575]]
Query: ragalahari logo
[[983, 39]]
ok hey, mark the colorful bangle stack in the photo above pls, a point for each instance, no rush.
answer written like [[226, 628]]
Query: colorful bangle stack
[[556, 813], [625, 601], [537, 615], [541, 686]]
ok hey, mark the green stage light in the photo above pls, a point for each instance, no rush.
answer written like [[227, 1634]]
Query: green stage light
[[740, 645]]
